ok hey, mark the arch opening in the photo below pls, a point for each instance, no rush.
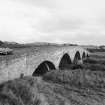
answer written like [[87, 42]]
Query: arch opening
[[43, 68], [83, 55], [87, 55], [65, 62], [77, 58]]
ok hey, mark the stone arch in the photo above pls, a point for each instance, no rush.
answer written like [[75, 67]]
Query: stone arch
[[77, 57], [65, 61], [43, 68], [83, 55]]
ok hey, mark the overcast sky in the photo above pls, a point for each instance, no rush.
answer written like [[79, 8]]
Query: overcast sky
[[71, 21]]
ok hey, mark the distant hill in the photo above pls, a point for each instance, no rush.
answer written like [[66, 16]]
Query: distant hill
[[90, 46], [6, 44]]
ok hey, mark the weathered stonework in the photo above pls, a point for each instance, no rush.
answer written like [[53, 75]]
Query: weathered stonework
[[27, 64]]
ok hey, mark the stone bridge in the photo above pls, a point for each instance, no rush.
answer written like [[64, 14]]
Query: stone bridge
[[41, 61]]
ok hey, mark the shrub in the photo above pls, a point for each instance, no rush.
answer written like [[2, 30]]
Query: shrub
[[6, 51], [72, 66], [83, 78], [91, 61], [76, 66], [94, 67], [69, 77]]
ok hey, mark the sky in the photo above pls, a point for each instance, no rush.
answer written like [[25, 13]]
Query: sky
[[54, 21]]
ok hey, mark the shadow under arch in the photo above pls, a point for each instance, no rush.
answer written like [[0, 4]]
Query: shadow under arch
[[83, 55], [87, 55], [77, 58], [43, 68], [65, 62]]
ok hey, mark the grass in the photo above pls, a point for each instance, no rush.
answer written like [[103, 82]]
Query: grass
[[68, 87], [92, 60], [77, 78], [19, 92], [96, 50], [79, 87]]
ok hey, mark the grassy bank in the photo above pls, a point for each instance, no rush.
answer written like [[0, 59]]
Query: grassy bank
[[74, 85]]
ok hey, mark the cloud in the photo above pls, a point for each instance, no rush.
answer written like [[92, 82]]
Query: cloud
[[16, 21], [75, 21]]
